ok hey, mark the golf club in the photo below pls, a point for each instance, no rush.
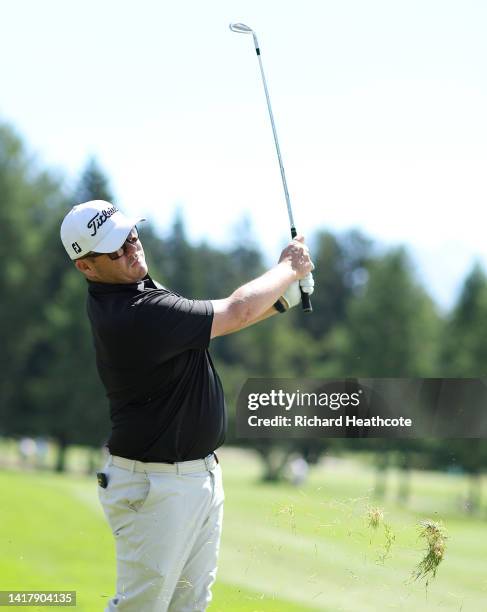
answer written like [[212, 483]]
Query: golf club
[[241, 28]]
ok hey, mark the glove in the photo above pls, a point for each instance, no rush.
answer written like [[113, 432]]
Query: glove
[[307, 283], [291, 297]]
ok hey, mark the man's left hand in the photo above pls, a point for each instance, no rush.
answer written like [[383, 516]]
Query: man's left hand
[[292, 295]]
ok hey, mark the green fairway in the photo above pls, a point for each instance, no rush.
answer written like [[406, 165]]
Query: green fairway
[[284, 549]]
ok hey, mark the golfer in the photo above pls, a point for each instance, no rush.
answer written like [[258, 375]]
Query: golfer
[[161, 489]]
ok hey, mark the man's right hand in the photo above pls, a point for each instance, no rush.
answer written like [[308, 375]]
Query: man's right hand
[[297, 256]]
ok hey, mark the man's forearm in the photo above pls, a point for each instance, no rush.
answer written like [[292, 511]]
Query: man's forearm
[[270, 312], [256, 298]]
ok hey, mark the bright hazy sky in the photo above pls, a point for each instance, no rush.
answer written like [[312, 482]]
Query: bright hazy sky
[[380, 108]]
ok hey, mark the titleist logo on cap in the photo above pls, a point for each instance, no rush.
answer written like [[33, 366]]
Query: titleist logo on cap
[[99, 219]]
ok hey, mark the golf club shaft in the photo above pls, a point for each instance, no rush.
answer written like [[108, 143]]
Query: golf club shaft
[[305, 299]]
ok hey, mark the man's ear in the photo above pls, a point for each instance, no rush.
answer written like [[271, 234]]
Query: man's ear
[[85, 267]]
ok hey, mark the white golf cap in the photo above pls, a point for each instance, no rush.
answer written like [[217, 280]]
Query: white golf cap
[[95, 226]]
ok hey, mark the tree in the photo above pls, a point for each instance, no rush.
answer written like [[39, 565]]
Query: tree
[[392, 328], [464, 355], [341, 262], [29, 197], [464, 352], [93, 184]]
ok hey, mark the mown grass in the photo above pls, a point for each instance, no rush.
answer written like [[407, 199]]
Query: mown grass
[[284, 549]]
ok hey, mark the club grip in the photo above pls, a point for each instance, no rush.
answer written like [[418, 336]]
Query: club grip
[[305, 299]]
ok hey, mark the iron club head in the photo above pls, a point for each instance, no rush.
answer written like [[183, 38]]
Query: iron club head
[[241, 28]]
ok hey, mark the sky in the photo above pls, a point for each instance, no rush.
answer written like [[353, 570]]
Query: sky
[[380, 108]]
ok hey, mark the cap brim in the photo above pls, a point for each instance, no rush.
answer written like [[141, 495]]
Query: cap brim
[[118, 235]]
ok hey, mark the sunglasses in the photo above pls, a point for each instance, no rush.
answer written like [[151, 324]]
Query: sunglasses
[[114, 255]]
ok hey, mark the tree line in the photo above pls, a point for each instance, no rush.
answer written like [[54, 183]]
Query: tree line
[[372, 318]]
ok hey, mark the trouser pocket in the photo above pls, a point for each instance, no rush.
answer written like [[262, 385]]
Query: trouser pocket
[[125, 494]]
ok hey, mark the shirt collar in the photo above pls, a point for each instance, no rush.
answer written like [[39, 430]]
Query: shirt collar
[[142, 285]]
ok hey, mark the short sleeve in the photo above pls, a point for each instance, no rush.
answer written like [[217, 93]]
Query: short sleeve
[[168, 324]]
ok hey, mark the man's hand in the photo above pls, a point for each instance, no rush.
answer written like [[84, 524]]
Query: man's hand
[[296, 255], [292, 295]]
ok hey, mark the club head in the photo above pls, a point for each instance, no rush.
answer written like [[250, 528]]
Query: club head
[[241, 28]]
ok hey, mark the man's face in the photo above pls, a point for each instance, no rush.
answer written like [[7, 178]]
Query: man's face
[[130, 267]]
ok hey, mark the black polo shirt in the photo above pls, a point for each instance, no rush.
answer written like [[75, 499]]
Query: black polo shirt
[[166, 399]]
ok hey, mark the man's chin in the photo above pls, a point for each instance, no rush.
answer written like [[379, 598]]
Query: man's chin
[[140, 270]]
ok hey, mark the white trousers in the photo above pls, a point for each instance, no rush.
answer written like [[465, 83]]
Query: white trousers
[[167, 521]]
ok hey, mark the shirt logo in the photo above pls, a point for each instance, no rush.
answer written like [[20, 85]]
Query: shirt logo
[[99, 219]]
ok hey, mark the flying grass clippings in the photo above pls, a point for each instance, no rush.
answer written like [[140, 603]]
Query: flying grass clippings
[[375, 517], [289, 511], [390, 537], [435, 535]]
